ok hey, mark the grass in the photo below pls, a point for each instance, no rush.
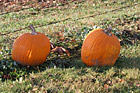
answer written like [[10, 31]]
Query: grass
[[61, 73]]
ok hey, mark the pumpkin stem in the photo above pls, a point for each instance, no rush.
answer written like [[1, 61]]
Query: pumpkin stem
[[33, 30], [108, 31]]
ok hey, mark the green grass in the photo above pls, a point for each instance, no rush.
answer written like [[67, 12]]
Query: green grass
[[61, 73]]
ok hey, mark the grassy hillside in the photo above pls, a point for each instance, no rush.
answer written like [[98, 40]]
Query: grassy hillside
[[62, 73]]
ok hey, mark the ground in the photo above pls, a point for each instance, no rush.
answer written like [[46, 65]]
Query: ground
[[67, 25]]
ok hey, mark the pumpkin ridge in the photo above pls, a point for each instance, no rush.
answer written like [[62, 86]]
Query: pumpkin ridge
[[96, 40], [101, 42], [38, 53], [30, 54], [105, 51], [48, 45], [19, 45], [89, 47], [25, 50], [13, 49]]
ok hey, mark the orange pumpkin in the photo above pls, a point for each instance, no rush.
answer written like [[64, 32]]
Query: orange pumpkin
[[100, 48], [31, 48]]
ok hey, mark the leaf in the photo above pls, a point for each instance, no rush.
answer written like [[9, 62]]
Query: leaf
[[60, 50], [73, 40], [138, 85], [106, 86], [11, 85], [56, 49], [52, 45], [60, 35], [65, 51], [35, 88], [121, 80]]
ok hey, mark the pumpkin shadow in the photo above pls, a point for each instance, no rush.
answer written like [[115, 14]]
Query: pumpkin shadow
[[121, 63], [125, 62], [75, 62], [66, 63]]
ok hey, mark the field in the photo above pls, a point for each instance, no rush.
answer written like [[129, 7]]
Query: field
[[66, 25]]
